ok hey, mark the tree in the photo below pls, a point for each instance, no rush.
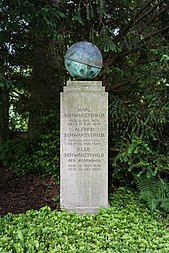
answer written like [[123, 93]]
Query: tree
[[133, 37], [30, 45], [35, 35], [4, 115], [47, 68]]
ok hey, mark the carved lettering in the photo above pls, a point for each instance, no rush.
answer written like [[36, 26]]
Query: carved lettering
[[79, 115], [84, 135], [84, 110], [83, 155], [83, 149], [84, 129]]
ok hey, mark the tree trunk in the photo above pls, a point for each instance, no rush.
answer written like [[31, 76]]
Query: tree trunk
[[47, 81], [4, 115]]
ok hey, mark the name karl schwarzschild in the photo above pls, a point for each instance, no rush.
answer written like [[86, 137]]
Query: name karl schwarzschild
[[83, 115]]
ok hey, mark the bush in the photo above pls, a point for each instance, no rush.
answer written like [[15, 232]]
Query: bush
[[155, 191], [40, 155], [127, 226], [139, 159], [139, 141], [145, 168]]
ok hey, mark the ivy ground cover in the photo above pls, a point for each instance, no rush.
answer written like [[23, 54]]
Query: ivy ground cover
[[127, 226]]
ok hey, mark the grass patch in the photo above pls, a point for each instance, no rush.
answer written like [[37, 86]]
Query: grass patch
[[127, 226]]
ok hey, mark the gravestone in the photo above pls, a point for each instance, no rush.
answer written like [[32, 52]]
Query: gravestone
[[84, 147]]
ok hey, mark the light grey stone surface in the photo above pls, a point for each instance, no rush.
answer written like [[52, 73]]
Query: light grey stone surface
[[84, 147]]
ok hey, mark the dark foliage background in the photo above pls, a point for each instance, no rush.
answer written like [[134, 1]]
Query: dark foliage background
[[133, 37]]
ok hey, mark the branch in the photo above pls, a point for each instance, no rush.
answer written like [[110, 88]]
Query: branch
[[110, 59], [155, 16], [141, 63], [134, 21], [125, 30], [155, 33], [144, 40], [124, 83], [147, 13]]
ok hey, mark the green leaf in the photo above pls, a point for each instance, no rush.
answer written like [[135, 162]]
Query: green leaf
[[61, 14], [20, 235]]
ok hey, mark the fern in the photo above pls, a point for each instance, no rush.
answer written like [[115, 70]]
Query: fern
[[154, 190]]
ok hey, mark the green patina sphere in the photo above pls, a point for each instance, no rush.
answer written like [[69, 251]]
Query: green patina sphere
[[83, 60]]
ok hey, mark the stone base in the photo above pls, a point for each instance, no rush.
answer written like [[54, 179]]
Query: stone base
[[84, 147], [85, 210]]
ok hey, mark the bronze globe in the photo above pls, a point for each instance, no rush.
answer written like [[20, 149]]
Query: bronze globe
[[83, 60]]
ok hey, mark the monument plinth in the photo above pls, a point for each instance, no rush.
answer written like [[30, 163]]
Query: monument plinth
[[84, 133], [84, 147]]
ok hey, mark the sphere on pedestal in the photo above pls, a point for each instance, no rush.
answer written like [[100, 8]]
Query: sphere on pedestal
[[83, 60]]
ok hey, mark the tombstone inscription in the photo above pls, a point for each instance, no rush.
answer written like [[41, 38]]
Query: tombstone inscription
[[84, 147]]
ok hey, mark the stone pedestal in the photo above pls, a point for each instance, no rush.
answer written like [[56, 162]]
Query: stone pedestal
[[84, 147]]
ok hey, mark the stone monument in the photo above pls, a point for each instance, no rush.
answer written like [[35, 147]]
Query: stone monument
[[84, 133]]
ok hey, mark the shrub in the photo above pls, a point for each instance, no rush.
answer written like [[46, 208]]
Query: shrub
[[155, 191], [40, 155], [139, 158], [146, 168], [127, 226], [139, 140]]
